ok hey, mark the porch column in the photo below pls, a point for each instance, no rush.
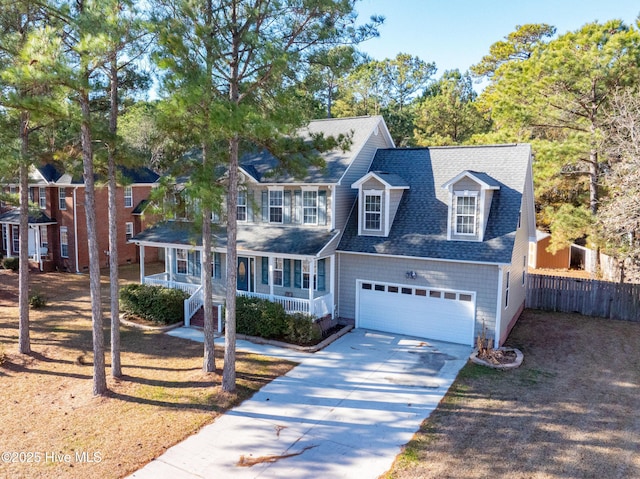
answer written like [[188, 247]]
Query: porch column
[[271, 263], [170, 254], [36, 245], [9, 239], [141, 264], [312, 272], [332, 282]]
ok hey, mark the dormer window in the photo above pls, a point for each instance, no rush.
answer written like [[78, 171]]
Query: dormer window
[[470, 196], [373, 211], [379, 194], [466, 213]]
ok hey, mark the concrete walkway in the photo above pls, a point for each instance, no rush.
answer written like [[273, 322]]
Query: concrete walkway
[[344, 412]]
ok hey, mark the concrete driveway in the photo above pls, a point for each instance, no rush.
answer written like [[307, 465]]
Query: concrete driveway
[[343, 412]]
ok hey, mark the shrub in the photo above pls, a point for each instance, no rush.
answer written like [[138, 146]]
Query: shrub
[[37, 300], [302, 329], [154, 303], [12, 263], [260, 317]]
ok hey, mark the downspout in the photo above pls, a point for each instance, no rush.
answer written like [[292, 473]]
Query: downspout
[[496, 334], [75, 228]]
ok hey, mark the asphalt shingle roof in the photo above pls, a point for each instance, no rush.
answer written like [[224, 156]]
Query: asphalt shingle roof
[[35, 217], [256, 238], [260, 164], [420, 225]]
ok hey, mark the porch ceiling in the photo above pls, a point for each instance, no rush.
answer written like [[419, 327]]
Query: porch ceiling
[[256, 238]]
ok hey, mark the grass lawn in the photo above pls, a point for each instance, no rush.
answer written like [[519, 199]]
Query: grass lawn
[[570, 411], [49, 413]]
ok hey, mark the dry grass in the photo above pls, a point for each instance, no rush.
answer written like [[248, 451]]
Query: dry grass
[[48, 406], [570, 411]]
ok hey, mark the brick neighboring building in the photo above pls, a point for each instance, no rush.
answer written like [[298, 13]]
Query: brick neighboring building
[[59, 226]]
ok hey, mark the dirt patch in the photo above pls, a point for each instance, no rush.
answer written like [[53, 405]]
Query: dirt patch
[[570, 410], [49, 408]]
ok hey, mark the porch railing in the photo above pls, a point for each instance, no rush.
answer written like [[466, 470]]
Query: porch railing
[[162, 280], [192, 304], [320, 307]]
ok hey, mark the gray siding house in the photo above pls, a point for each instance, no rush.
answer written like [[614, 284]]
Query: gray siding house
[[427, 242], [288, 227], [437, 243]]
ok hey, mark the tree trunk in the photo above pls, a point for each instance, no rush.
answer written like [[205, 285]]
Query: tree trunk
[[229, 372], [209, 363], [116, 367], [594, 173], [99, 378], [24, 345]]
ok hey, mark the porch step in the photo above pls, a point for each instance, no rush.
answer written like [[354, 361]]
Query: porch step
[[198, 319]]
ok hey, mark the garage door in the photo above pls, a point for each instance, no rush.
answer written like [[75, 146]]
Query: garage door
[[441, 314]]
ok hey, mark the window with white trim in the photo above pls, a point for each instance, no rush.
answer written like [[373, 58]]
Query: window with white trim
[[128, 197], [506, 290], [64, 242], [373, 211], [44, 237], [128, 230], [181, 261], [242, 205], [62, 198], [310, 207], [466, 211], [278, 271], [42, 198], [276, 203], [306, 275], [16, 239]]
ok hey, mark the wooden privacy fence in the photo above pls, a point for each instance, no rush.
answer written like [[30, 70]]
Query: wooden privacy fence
[[585, 296]]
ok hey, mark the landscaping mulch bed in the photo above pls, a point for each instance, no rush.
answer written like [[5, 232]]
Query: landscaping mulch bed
[[569, 411], [49, 413]]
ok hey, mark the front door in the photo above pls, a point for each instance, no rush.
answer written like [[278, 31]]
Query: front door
[[243, 274]]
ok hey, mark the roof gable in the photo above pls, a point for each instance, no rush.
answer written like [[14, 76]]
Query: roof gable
[[420, 225], [359, 129]]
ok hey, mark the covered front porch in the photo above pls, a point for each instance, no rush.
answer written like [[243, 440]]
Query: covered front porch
[[39, 225], [301, 284]]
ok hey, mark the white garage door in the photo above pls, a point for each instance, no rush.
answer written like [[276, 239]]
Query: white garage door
[[440, 314]]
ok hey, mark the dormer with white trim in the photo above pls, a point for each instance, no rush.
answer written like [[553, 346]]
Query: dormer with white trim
[[379, 194], [470, 195]]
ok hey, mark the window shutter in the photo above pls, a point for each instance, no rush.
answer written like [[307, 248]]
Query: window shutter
[[265, 270], [265, 206], [297, 273], [297, 207], [217, 272], [322, 207], [250, 206], [286, 211], [321, 275], [286, 272]]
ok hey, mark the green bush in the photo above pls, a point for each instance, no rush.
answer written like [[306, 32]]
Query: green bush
[[302, 329], [266, 319], [12, 263], [37, 300], [154, 303], [260, 317]]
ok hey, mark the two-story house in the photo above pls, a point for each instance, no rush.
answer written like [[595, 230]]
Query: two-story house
[[427, 242], [288, 228], [57, 224]]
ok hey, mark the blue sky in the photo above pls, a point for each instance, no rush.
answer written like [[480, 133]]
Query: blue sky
[[458, 33]]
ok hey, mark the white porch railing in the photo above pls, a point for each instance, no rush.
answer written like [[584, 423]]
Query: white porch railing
[[192, 304], [320, 307], [162, 279]]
